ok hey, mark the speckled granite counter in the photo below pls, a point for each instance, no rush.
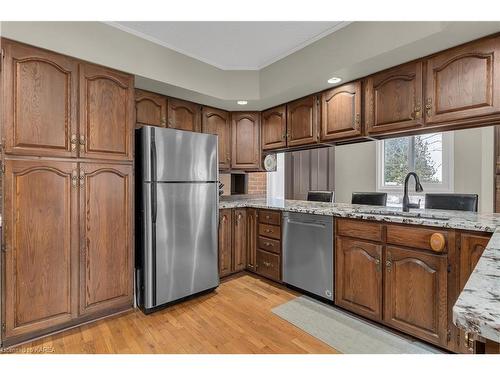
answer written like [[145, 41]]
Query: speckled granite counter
[[478, 306]]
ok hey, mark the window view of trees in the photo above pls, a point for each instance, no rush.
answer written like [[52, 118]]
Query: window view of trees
[[421, 154]]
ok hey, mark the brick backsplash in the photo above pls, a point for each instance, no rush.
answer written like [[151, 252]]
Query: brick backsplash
[[257, 183]]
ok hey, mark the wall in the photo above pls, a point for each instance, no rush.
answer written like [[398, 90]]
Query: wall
[[355, 170], [473, 164]]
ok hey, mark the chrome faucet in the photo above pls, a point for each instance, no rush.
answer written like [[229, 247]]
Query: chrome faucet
[[418, 188]]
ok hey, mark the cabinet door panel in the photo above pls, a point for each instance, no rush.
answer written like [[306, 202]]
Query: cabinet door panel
[[341, 112], [246, 140], [40, 101], [471, 248], [358, 277], [216, 121], [461, 82], [106, 237], [274, 128], [41, 237], [106, 113], [225, 242], [394, 99], [302, 121], [150, 109], [416, 293], [251, 238], [240, 239], [184, 115]]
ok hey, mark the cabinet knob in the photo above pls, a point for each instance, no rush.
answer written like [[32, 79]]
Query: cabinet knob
[[437, 242]]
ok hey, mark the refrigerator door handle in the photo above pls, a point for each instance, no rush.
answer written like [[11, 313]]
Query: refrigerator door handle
[[153, 157]]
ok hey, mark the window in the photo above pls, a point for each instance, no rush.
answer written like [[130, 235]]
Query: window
[[429, 155]]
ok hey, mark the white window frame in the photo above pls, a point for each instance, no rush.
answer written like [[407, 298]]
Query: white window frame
[[448, 169]]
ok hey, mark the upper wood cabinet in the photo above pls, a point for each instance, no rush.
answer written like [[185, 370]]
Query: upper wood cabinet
[[150, 108], [40, 101], [246, 140], [41, 238], [341, 112], [274, 128], [463, 82], [416, 293], [106, 217], [106, 113], [358, 277], [218, 122], [240, 239], [225, 241], [184, 115], [303, 121], [394, 98]]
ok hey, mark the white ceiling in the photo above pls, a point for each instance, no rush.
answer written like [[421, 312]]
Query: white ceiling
[[233, 45]]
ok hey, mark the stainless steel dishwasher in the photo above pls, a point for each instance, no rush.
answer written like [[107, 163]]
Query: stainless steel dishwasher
[[308, 253]]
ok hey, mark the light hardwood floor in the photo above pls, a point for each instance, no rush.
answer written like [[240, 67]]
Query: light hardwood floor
[[236, 318]]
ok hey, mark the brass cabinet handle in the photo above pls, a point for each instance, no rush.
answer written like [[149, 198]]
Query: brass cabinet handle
[[428, 107], [357, 120], [268, 217], [82, 143], [82, 178], [268, 244], [469, 341], [388, 262], [267, 230], [267, 264], [74, 178], [417, 110], [74, 141], [377, 264], [163, 121]]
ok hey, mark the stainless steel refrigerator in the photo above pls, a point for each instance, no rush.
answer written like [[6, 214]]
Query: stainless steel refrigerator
[[176, 215]]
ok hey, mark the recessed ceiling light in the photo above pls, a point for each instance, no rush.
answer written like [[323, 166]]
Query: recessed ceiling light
[[242, 102], [334, 80]]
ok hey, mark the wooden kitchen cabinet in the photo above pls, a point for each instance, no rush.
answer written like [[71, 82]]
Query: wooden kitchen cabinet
[[184, 115], [40, 226], [415, 297], [274, 128], [225, 241], [472, 247], [150, 109], [218, 122], [303, 121], [341, 112], [106, 113], [461, 83], [106, 229], [252, 220], [394, 99], [40, 101], [239, 239], [246, 140], [358, 277]]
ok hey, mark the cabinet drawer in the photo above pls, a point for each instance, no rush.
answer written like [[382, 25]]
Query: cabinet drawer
[[359, 229], [269, 217], [420, 238], [267, 244], [268, 265], [271, 231]]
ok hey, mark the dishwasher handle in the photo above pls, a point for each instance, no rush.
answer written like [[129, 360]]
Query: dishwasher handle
[[318, 224]]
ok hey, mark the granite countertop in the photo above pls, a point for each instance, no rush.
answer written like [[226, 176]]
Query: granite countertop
[[478, 306]]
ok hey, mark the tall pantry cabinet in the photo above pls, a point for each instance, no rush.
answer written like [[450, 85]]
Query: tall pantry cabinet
[[67, 162]]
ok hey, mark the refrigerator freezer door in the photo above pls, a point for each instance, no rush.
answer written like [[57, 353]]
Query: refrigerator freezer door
[[184, 261], [178, 155]]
